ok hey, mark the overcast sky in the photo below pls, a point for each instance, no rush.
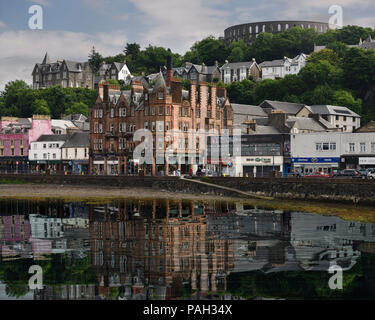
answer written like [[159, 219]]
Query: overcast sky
[[72, 27]]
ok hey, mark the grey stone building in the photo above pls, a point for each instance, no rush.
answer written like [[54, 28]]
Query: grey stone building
[[66, 73]]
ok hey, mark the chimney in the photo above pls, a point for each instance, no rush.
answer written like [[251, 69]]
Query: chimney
[[176, 90], [70, 132], [106, 93], [216, 63], [251, 126], [169, 71], [277, 119]]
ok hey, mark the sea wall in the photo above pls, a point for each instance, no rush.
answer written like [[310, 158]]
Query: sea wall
[[353, 191]]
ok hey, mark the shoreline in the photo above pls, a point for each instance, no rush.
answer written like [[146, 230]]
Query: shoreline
[[101, 195]]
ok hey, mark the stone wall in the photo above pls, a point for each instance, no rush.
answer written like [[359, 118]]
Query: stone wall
[[352, 191]]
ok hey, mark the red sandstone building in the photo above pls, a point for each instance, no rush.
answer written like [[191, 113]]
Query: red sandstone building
[[117, 115]]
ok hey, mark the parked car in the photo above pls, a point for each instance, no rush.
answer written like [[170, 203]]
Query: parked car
[[348, 174], [318, 175], [367, 173]]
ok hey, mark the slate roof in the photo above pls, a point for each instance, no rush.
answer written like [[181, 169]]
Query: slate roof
[[78, 140], [304, 123], [333, 110], [75, 117], [236, 65], [52, 137], [160, 83], [248, 110], [287, 107]]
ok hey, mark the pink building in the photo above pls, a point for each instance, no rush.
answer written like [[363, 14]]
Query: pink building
[[16, 134]]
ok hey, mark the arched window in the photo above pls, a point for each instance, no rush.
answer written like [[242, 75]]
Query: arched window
[[279, 27], [286, 26], [250, 29], [256, 29], [264, 28]]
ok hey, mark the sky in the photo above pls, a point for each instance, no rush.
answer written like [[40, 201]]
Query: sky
[[72, 27]]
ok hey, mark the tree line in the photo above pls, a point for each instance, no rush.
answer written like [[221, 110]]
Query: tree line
[[338, 75]]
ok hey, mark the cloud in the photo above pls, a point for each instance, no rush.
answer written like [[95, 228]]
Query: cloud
[[177, 24], [2, 24], [41, 2], [22, 49]]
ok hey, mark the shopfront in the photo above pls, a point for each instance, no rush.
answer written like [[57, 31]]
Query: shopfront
[[307, 166]]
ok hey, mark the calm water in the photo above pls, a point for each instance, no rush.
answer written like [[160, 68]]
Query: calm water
[[180, 250]]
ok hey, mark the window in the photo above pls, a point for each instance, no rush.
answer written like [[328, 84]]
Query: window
[[112, 113], [362, 147], [186, 127], [180, 112], [160, 126], [218, 115], [153, 126], [146, 96], [122, 127], [145, 125], [198, 113], [168, 110], [372, 147], [337, 118], [100, 128], [332, 146], [186, 112], [180, 126], [21, 151], [122, 112], [44, 146], [153, 111], [161, 96], [54, 156], [132, 111], [167, 125], [351, 147], [160, 110]]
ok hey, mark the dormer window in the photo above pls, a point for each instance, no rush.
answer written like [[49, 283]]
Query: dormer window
[[161, 96]]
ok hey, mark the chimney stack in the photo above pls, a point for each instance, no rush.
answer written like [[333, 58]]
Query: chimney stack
[[169, 71], [106, 93]]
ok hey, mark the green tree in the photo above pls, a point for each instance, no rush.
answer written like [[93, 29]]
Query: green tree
[[346, 99], [40, 106], [78, 108], [95, 59]]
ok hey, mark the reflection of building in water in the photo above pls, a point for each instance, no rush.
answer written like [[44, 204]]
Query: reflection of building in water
[[273, 241], [67, 292], [15, 231], [159, 250]]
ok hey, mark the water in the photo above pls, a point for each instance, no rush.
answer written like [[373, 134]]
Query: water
[[180, 250]]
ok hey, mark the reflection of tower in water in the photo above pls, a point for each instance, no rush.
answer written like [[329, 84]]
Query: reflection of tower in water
[[158, 249]]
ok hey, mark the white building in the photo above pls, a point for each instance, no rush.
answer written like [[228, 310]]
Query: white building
[[46, 151], [61, 126], [75, 153], [324, 152], [239, 71], [280, 68], [340, 117], [114, 71], [45, 227]]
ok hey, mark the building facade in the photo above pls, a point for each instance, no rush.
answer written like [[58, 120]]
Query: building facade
[[280, 68], [75, 153], [45, 153], [324, 152], [16, 135], [65, 73], [116, 116], [238, 71], [248, 32]]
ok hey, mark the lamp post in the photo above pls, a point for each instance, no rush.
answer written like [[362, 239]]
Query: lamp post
[[48, 161]]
